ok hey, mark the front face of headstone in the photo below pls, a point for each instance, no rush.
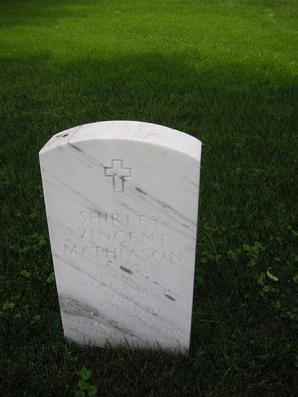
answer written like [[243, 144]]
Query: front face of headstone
[[121, 201]]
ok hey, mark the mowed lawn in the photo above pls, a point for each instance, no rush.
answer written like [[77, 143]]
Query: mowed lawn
[[224, 71]]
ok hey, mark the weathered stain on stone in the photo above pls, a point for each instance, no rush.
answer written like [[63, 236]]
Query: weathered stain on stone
[[126, 270], [170, 297], [140, 190], [73, 307]]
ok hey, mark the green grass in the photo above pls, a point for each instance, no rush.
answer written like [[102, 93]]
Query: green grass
[[224, 71]]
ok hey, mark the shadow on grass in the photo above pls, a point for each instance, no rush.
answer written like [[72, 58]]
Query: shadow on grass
[[245, 119]]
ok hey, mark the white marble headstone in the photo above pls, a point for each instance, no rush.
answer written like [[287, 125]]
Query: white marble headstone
[[121, 201]]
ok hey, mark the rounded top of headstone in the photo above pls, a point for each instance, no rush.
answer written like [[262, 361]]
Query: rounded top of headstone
[[129, 131]]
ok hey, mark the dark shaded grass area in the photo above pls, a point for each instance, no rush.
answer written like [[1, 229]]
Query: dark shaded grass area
[[244, 332]]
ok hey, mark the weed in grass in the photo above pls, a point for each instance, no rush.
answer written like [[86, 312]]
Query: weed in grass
[[85, 387]]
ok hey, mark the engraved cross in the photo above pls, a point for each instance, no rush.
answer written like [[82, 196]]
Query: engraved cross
[[119, 175]]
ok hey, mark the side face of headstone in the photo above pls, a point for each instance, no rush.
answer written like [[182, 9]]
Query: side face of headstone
[[121, 201]]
